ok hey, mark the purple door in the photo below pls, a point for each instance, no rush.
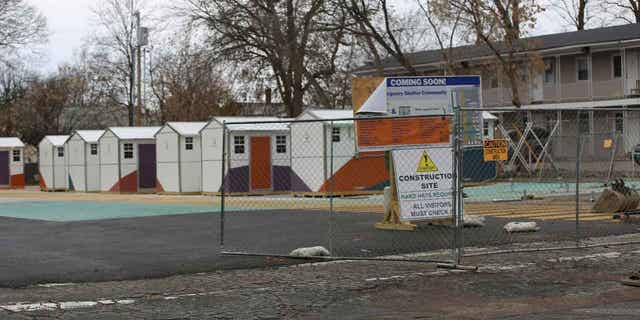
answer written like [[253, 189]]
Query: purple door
[[4, 168], [147, 165]]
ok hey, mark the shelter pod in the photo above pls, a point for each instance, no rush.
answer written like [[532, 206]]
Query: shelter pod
[[84, 162], [330, 136], [11, 163], [128, 159], [52, 161], [179, 154], [257, 155]]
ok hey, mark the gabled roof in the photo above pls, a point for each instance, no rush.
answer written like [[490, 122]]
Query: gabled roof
[[11, 142], [187, 128], [57, 141], [90, 136], [488, 116], [239, 126], [331, 114], [134, 133], [548, 42]]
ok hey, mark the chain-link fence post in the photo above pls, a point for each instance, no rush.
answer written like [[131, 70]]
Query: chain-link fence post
[[222, 183], [457, 154], [578, 159], [331, 180]]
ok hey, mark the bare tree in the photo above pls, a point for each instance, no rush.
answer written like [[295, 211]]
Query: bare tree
[[14, 80], [625, 10], [20, 24], [114, 52], [445, 28], [289, 39], [498, 25], [187, 86], [575, 13], [373, 19]]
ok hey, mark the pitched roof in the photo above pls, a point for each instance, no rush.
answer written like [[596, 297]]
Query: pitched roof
[[11, 142], [332, 114], [562, 40], [90, 136], [133, 133], [187, 128], [57, 141], [239, 126]]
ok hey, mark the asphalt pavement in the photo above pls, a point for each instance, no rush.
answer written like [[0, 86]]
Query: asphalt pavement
[[36, 251]]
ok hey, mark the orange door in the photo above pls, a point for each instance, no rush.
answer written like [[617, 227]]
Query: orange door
[[260, 163]]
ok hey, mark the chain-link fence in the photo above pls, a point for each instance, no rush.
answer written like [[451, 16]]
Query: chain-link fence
[[558, 181], [309, 186], [303, 183]]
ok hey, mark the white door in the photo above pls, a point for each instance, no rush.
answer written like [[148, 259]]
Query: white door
[[631, 66]]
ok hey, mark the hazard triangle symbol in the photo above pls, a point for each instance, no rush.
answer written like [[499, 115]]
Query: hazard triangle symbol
[[426, 164]]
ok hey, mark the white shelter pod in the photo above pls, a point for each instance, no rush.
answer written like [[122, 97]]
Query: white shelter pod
[[179, 157], [52, 161], [128, 159], [11, 163], [258, 155], [84, 162], [314, 144]]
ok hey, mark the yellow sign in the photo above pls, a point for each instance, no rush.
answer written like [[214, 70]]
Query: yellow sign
[[495, 150], [607, 143], [426, 164]]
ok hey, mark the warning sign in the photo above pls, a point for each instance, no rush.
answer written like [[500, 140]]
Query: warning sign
[[426, 164], [425, 190], [495, 150]]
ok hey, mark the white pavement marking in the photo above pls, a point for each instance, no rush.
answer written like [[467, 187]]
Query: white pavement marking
[[595, 256]]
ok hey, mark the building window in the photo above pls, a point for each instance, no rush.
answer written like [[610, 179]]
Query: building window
[[128, 150], [619, 122], [60, 152], [583, 68], [281, 144], [16, 155], [584, 122], [404, 110], [485, 128], [238, 144], [188, 143], [617, 66], [94, 149], [335, 135], [549, 71]]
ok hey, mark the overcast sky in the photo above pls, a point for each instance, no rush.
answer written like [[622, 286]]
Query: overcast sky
[[69, 22]]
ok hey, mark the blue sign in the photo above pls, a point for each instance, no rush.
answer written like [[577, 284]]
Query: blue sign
[[433, 81]]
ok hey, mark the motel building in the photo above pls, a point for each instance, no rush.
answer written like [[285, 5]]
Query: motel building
[[590, 69]]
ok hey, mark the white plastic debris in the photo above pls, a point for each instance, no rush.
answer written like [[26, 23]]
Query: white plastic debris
[[317, 251], [521, 227], [473, 221]]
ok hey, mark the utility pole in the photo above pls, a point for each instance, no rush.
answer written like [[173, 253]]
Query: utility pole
[[138, 69]]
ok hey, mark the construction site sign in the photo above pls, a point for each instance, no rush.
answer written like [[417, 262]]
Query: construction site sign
[[421, 96], [384, 134], [424, 182], [495, 150]]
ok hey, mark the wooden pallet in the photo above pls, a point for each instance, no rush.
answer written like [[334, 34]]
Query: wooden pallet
[[340, 194], [246, 194]]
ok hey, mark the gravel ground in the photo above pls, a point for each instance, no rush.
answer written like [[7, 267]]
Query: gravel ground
[[579, 284]]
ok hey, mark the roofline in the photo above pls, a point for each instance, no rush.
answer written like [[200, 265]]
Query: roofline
[[483, 57], [109, 129], [49, 135], [83, 139]]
